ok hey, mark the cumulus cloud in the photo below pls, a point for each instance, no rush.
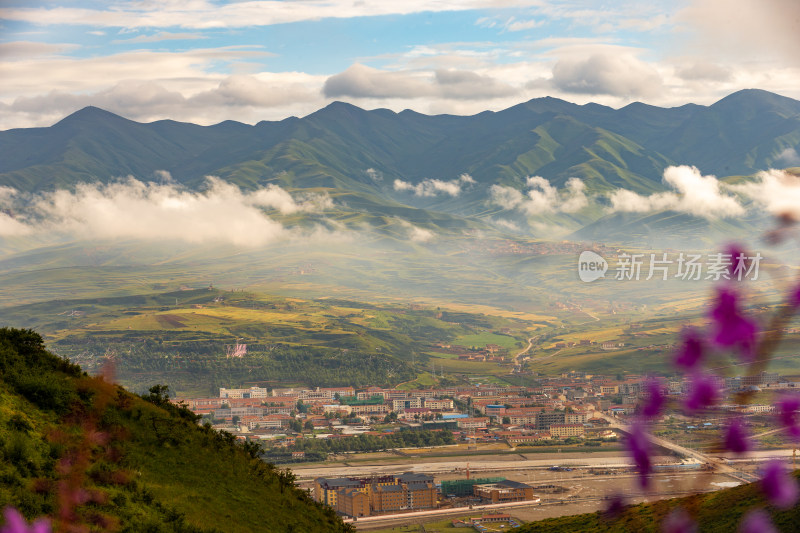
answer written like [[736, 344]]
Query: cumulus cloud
[[415, 233], [433, 187], [704, 71], [776, 191], [506, 224], [693, 193], [132, 209], [361, 81], [7, 195], [131, 97], [542, 197], [789, 157], [466, 84], [366, 82], [606, 73], [374, 175]]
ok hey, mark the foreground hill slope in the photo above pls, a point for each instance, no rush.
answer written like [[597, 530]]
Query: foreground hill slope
[[84, 451]]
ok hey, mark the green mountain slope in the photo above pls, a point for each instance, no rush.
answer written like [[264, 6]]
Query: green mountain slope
[[128, 464], [333, 147]]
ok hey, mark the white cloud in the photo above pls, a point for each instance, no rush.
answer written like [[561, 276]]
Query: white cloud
[[374, 175], [789, 157], [231, 97], [694, 194], [132, 209], [161, 36], [361, 81], [704, 71], [204, 14], [776, 191], [7, 195], [507, 224], [415, 233], [464, 84], [433, 187], [277, 198], [542, 197], [621, 75], [16, 50]]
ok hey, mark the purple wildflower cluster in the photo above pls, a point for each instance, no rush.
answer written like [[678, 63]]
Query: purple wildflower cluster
[[731, 331], [15, 523]]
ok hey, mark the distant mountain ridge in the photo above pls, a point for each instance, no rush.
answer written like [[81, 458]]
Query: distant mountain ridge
[[359, 154], [742, 133]]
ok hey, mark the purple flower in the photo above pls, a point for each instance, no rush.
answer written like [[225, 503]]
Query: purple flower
[[703, 392], [15, 523], [738, 265], [655, 398], [678, 521], [736, 439], [756, 521], [638, 446], [787, 406], [616, 504], [732, 329], [778, 485], [691, 351]]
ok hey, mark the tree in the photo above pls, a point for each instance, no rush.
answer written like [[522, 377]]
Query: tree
[[506, 420], [309, 425]]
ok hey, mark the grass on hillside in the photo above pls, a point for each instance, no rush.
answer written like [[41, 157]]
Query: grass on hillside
[[145, 465]]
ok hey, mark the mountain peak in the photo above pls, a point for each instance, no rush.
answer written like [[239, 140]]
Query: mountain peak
[[760, 101], [89, 114]]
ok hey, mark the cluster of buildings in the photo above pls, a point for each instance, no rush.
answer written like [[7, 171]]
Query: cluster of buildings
[[365, 496], [354, 496], [571, 405]]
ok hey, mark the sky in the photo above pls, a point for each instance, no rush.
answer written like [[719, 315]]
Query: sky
[[205, 61]]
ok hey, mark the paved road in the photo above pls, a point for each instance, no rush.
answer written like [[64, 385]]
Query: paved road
[[444, 467], [719, 464], [523, 352]]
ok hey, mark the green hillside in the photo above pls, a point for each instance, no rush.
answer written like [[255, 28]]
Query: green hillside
[[127, 463], [716, 512]]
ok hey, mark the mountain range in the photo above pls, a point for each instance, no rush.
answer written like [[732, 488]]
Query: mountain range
[[361, 153]]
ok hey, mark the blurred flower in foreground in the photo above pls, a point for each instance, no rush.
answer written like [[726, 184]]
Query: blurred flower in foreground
[[15, 523], [703, 392], [655, 398], [778, 485], [756, 521], [736, 439], [691, 351], [731, 328], [678, 521], [638, 446], [788, 405], [616, 504]]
